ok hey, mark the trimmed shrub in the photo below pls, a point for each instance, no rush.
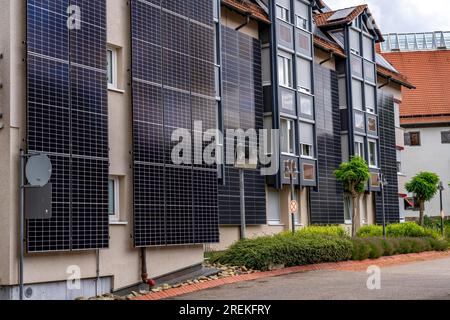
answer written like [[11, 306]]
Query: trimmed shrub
[[337, 231], [398, 230], [372, 248], [286, 249]]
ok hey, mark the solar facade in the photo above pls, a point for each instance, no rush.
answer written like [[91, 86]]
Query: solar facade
[[67, 119], [327, 204], [242, 108], [173, 87], [388, 155]]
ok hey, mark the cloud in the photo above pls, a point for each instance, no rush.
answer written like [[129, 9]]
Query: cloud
[[404, 15]]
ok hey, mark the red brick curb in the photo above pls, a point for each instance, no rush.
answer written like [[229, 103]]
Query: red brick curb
[[346, 265]]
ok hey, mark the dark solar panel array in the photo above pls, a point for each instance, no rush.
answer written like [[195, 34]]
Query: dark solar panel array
[[173, 87], [388, 160], [242, 109], [67, 119], [327, 205]]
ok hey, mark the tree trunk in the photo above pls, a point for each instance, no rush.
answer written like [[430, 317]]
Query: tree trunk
[[356, 222], [422, 210]]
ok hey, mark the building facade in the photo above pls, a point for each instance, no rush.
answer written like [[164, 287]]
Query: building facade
[[101, 87], [425, 112]]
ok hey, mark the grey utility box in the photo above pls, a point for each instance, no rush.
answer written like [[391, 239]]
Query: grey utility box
[[38, 202]]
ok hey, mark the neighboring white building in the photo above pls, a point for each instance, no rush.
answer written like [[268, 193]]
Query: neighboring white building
[[425, 113]]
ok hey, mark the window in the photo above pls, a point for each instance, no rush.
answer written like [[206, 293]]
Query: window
[[285, 71], [112, 67], [359, 121], [287, 100], [306, 105], [287, 136], [285, 35], [307, 139], [307, 150], [356, 63], [369, 71], [397, 114], [412, 139], [411, 204], [274, 211], [372, 125], [355, 42], [283, 13], [368, 48], [304, 75], [357, 94], [303, 41], [348, 209], [302, 15], [445, 137], [375, 180], [302, 22], [399, 162], [359, 149], [113, 198], [309, 173], [373, 157], [370, 98]]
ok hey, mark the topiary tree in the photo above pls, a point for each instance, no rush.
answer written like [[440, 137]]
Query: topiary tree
[[424, 186], [354, 176]]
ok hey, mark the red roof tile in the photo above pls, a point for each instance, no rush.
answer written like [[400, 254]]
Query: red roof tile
[[247, 7], [430, 72]]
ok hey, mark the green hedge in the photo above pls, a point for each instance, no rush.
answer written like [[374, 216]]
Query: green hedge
[[287, 250], [398, 230], [373, 248], [337, 231]]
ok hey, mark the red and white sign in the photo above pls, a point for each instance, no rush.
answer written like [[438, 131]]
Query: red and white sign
[[293, 206]]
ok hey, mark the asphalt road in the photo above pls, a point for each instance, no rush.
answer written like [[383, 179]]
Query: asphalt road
[[419, 280]]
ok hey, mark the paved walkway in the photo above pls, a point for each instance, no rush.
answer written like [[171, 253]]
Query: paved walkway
[[414, 276], [418, 280]]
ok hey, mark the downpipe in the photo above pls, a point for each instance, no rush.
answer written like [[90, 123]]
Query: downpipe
[[144, 274]]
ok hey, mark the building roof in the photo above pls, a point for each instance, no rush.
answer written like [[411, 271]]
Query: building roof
[[384, 68], [344, 16], [248, 8], [430, 72]]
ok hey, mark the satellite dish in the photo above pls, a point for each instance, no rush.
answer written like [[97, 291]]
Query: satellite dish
[[38, 170]]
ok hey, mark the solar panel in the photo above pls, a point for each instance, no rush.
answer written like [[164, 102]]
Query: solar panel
[[340, 14], [173, 86], [243, 108], [67, 118]]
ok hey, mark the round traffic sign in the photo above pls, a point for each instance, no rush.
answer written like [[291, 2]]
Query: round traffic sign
[[293, 206]]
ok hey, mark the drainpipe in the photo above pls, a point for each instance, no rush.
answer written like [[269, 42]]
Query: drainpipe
[[328, 59], [21, 222], [144, 274], [386, 84], [247, 21], [97, 271]]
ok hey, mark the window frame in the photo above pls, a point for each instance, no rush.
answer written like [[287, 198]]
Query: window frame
[[359, 149], [408, 141], [114, 218], [290, 133], [443, 137], [282, 58], [113, 84], [284, 17], [369, 143]]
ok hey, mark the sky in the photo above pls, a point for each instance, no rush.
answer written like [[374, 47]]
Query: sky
[[395, 16]]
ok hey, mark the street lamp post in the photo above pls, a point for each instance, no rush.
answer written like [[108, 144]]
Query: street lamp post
[[441, 188], [383, 183]]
